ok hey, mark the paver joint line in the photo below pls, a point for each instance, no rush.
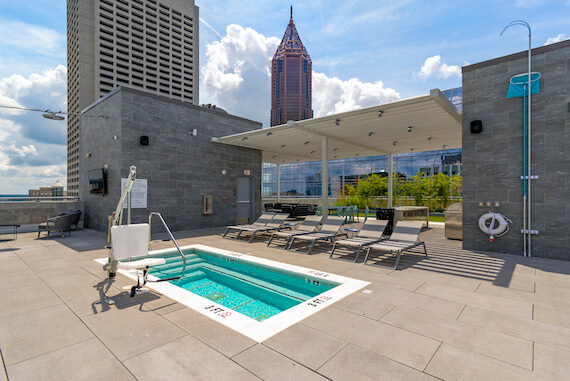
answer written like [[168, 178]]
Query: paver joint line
[[296, 362], [3, 364], [432, 356], [332, 357]]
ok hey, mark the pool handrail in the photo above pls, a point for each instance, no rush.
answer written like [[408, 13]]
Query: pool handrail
[[171, 237]]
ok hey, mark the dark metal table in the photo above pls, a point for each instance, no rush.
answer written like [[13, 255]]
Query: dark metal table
[[13, 226]]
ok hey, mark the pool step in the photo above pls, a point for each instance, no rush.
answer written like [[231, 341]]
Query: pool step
[[159, 272], [190, 277], [171, 264], [252, 281]]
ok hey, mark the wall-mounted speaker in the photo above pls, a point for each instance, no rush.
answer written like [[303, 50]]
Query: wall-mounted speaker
[[476, 127], [144, 140]]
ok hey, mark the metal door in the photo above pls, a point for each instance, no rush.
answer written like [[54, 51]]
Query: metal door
[[244, 195]]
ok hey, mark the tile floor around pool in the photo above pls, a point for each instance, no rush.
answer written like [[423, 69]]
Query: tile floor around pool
[[455, 315]]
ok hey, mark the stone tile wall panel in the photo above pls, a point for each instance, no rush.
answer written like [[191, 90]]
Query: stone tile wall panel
[[492, 160]]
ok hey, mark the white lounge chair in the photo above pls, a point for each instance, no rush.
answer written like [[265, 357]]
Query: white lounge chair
[[261, 221], [406, 236], [371, 232], [309, 225], [328, 231], [275, 223]]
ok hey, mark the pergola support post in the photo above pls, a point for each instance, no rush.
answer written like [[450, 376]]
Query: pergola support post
[[325, 176], [278, 200], [390, 180]]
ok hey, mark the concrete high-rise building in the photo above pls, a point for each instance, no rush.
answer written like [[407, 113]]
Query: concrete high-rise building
[[151, 45], [291, 79]]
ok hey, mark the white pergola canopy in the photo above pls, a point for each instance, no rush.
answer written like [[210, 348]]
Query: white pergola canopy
[[435, 122], [426, 123]]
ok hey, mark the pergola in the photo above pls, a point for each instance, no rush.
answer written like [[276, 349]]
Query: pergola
[[425, 123]]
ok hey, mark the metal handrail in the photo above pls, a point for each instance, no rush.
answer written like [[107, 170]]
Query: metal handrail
[[171, 237], [39, 199]]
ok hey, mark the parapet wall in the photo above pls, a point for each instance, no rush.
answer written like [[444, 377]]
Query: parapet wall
[[31, 212]]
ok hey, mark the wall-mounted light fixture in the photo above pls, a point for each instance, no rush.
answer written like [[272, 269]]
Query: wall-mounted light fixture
[[394, 143], [194, 132], [312, 152], [429, 138], [115, 137], [274, 156], [337, 122], [88, 154], [224, 172], [380, 114], [283, 145], [269, 133], [244, 139], [476, 126], [411, 149], [370, 133], [410, 128], [335, 149]]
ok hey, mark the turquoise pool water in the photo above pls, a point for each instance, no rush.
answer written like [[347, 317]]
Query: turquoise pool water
[[251, 289]]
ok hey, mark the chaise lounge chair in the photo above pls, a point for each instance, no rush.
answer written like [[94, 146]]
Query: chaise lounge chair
[[275, 223], [406, 236], [261, 221], [310, 225], [370, 233], [328, 231]]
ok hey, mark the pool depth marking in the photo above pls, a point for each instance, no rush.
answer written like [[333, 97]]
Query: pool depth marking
[[245, 325]]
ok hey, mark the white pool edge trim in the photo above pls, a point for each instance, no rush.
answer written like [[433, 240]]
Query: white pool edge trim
[[255, 330]]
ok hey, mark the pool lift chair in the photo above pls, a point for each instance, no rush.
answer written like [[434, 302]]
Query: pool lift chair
[[133, 241]]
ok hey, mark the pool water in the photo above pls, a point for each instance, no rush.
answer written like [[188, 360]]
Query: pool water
[[254, 290]]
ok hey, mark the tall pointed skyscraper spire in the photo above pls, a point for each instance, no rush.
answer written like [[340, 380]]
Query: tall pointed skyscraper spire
[[291, 79]]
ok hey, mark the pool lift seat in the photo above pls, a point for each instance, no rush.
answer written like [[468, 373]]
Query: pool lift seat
[[132, 241]]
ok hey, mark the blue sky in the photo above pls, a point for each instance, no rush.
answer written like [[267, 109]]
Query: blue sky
[[363, 52]]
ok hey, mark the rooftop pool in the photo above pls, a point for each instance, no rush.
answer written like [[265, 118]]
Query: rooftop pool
[[254, 296]]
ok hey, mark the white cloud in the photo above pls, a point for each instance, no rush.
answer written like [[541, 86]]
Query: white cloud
[[31, 37], [236, 75], [21, 151], [333, 95], [7, 127], [237, 78], [33, 150], [552, 40], [433, 67]]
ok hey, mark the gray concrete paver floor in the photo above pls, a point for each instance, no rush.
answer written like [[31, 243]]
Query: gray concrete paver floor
[[454, 315]]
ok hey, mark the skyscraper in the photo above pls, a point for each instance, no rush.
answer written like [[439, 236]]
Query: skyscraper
[[149, 45], [291, 79]]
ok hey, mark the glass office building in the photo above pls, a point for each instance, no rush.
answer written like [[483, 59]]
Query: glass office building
[[304, 179]]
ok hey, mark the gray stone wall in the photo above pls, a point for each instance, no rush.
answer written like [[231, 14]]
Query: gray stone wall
[[180, 168], [492, 160], [31, 212]]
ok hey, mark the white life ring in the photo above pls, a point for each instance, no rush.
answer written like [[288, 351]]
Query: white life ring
[[490, 228]]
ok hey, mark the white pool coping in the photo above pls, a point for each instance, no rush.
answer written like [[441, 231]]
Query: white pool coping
[[258, 331]]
